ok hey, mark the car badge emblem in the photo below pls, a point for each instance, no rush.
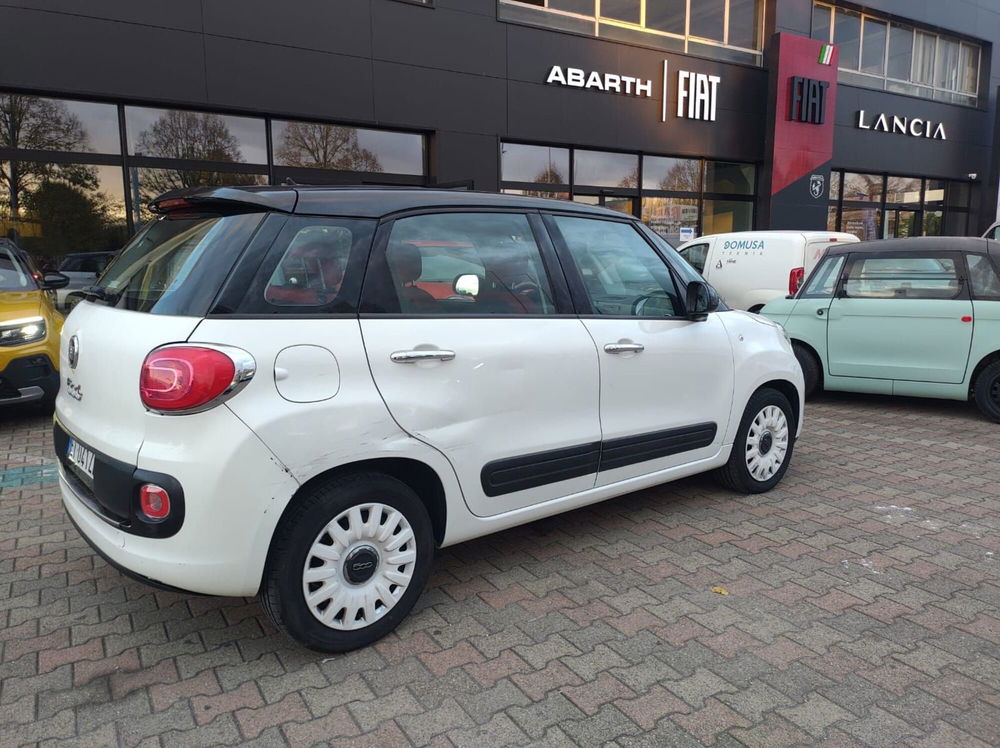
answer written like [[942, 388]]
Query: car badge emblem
[[817, 185], [74, 351]]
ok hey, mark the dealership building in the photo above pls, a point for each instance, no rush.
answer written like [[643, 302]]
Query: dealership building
[[699, 116]]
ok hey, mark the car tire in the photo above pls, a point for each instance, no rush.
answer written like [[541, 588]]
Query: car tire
[[986, 390], [763, 446], [812, 372], [362, 544]]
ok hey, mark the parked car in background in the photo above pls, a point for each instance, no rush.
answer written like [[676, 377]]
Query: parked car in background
[[82, 269], [917, 316], [751, 268], [505, 359], [29, 330]]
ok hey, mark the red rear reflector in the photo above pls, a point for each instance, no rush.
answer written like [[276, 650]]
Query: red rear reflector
[[183, 378], [795, 278], [967, 318], [154, 501]]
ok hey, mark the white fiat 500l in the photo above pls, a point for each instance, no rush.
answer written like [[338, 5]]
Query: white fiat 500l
[[300, 392]]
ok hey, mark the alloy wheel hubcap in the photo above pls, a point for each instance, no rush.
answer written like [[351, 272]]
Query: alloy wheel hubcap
[[359, 566], [767, 443]]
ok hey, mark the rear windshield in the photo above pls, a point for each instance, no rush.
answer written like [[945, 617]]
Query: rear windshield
[[176, 264], [14, 272]]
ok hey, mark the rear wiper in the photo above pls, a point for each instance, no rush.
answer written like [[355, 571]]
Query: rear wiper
[[99, 293]]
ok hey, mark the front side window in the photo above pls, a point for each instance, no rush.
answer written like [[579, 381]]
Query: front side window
[[621, 274], [462, 264], [696, 255], [14, 272], [907, 277], [983, 277], [823, 281]]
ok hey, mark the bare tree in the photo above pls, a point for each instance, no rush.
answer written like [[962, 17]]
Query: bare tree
[[192, 136], [33, 123], [684, 176], [318, 146]]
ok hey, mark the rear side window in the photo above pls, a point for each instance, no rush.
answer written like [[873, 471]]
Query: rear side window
[[983, 277], [462, 264], [314, 266], [176, 264], [909, 277]]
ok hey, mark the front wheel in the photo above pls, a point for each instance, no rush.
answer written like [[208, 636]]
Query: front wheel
[[986, 390], [763, 445], [348, 562], [812, 372]]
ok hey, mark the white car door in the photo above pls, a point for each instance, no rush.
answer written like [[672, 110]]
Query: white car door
[[666, 381], [473, 345]]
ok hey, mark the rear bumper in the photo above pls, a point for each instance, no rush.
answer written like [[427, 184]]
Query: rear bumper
[[234, 494], [28, 379]]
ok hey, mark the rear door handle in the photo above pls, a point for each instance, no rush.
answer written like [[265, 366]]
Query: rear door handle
[[412, 357], [624, 347]]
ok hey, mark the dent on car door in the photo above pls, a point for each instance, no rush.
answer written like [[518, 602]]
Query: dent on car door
[[903, 316], [473, 345], [666, 381]]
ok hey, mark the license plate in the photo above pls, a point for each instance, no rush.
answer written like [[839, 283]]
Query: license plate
[[80, 456]]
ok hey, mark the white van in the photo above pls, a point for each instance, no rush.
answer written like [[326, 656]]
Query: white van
[[751, 268]]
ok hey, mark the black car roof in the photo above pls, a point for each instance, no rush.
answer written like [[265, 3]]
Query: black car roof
[[364, 202], [919, 243]]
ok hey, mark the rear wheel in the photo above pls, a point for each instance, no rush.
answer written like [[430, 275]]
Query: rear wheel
[[763, 445], [812, 373], [986, 390], [348, 562]]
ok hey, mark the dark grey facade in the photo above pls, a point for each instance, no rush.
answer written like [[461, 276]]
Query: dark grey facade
[[468, 81]]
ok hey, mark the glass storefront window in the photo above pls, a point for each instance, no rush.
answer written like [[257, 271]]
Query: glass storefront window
[[873, 51], [200, 136], [933, 221], [666, 15], [900, 52], [729, 178], [672, 174], [835, 185], [957, 195], [41, 124], [862, 222], [602, 169], [708, 19], [723, 216], [881, 54], [847, 36], [862, 187], [534, 163], [622, 10], [934, 194], [743, 23], [317, 145], [50, 209], [902, 191], [147, 184], [537, 193], [831, 218], [668, 215]]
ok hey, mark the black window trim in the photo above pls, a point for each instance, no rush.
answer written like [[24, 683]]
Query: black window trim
[[955, 255]]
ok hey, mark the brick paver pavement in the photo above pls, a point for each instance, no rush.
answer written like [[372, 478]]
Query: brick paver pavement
[[862, 609]]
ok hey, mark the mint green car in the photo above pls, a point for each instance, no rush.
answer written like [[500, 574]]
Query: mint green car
[[917, 317]]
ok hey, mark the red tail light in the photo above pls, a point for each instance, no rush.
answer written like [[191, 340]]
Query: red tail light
[[190, 378], [795, 278], [154, 501]]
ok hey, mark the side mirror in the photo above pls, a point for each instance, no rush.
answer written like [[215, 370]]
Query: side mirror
[[52, 281], [466, 285], [699, 300]]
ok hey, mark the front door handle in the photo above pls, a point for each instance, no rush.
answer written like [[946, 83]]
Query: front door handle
[[413, 357], [624, 347]]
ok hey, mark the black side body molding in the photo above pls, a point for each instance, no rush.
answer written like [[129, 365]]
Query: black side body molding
[[541, 468]]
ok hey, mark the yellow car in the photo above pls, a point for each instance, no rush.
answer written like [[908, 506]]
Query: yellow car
[[29, 330]]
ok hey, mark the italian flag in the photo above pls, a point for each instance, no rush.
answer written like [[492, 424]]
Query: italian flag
[[825, 54]]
